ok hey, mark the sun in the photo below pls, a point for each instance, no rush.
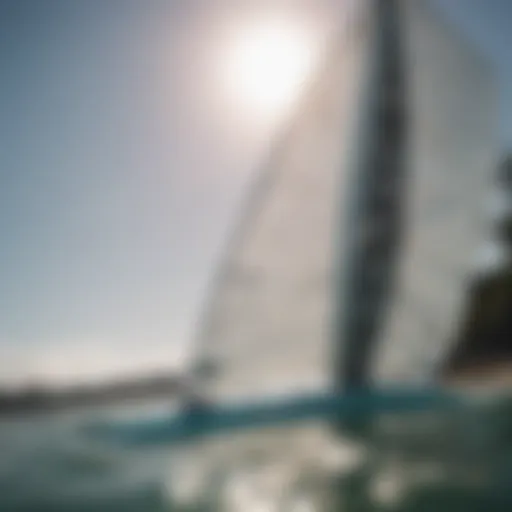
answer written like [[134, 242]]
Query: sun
[[266, 65]]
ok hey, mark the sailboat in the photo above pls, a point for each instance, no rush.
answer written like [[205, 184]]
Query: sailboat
[[342, 286]]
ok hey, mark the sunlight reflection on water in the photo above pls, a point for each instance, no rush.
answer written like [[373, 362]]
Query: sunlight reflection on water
[[449, 458]]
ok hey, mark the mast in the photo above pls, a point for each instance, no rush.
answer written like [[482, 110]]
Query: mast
[[376, 211]]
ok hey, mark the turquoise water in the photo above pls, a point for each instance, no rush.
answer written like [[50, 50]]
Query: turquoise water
[[46, 464], [459, 461]]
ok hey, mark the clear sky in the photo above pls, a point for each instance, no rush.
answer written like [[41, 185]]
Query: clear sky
[[125, 150]]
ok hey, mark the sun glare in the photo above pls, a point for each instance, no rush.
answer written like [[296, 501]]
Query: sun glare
[[267, 64]]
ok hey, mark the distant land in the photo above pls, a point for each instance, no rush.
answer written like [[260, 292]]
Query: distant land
[[39, 398]]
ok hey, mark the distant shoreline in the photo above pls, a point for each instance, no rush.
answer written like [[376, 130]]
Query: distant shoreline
[[41, 399]]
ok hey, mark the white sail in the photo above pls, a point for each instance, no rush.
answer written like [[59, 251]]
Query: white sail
[[268, 328], [452, 157]]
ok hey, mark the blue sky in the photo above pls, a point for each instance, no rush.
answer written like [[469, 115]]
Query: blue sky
[[122, 163]]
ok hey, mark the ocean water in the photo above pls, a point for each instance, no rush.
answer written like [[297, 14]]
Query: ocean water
[[450, 461], [47, 463]]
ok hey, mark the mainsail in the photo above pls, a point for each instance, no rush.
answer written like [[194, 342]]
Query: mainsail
[[452, 156], [267, 327], [273, 316]]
